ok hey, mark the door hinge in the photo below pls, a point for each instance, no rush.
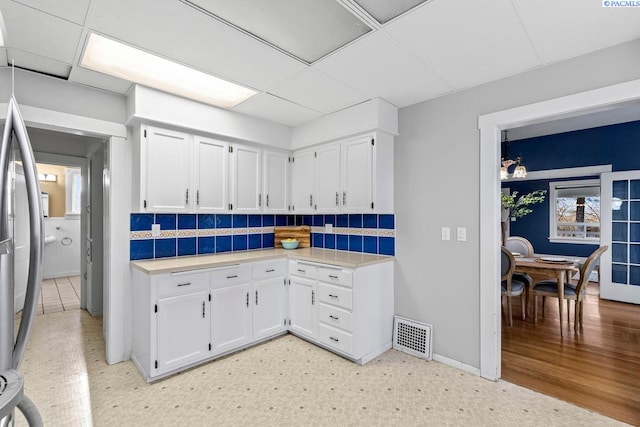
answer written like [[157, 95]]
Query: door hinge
[[230, 206], [285, 281], [209, 297], [293, 160], [289, 159], [145, 204], [145, 133], [315, 154], [155, 310], [209, 346], [284, 322], [371, 205], [289, 322], [372, 141], [231, 149], [156, 364]]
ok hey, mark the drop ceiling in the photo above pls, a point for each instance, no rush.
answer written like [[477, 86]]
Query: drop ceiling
[[307, 64]]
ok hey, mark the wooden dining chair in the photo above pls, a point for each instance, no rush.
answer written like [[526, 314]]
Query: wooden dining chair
[[577, 292], [522, 246], [509, 286]]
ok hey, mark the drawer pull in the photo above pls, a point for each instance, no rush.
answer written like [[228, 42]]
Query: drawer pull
[[233, 276], [333, 296], [334, 317], [313, 298], [302, 271], [184, 284], [334, 339], [331, 276], [203, 309], [271, 270]]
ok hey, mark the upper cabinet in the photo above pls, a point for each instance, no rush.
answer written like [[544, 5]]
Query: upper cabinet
[[246, 179], [351, 176], [276, 182], [211, 175], [167, 161]]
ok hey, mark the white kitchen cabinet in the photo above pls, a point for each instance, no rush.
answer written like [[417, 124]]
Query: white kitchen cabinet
[[302, 181], [302, 306], [183, 330], [246, 179], [327, 179], [230, 317], [167, 182], [270, 307], [211, 184], [357, 175], [276, 182]]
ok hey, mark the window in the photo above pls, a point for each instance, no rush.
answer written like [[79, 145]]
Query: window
[[574, 211], [74, 192]]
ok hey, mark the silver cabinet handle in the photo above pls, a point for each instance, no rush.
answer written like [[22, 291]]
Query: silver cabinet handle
[[184, 284], [271, 270], [260, 200], [233, 276], [256, 297], [203, 309], [333, 296], [302, 271], [334, 339], [344, 198], [310, 200], [334, 317], [186, 196], [331, 276], [267, 200], [247, 299], [313, 298], [198, 197]]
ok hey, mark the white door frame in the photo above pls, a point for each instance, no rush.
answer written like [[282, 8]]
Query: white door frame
[[490, 126]]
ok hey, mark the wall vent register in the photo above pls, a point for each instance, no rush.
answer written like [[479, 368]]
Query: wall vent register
[[412, 337]]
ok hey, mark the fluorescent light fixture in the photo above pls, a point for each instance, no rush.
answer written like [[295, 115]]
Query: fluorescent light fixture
[[126, 62]]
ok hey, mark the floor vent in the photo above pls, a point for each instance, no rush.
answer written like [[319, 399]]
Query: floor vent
[[412, 337]]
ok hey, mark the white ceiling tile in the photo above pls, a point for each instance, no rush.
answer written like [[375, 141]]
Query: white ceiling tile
[[276, 110], [71, 10], [178, 31], [568, 28], [38, 63], [99, 80], [379, 67], [318, 91], [40, 33], [467, 45]]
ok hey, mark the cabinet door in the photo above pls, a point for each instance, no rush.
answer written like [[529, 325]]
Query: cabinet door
[[230, 317], [246, 182], [302, 178], [276, 182], [302, 306], [182, 330], [327, 179], [210, 175], [270, 307], [357, 175], [168, 165]]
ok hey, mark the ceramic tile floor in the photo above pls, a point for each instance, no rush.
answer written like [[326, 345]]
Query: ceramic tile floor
[[59, 294], [286, 381]]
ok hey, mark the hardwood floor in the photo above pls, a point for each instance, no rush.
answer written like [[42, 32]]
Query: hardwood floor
[[598, 369]]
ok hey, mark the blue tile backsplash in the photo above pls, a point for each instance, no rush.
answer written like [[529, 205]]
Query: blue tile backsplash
[[191, 234]]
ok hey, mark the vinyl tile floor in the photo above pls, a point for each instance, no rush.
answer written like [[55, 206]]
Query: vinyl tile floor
[[59, 294], [285, 381]]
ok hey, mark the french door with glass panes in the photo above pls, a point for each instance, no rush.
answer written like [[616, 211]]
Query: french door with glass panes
[[620, 265]]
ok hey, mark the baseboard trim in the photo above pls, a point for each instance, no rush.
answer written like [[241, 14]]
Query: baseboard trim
[[454, 363]]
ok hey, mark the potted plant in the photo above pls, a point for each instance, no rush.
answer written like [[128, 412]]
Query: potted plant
[[517, 207]]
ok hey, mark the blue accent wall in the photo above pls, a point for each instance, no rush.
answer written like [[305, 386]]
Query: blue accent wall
[[617, 145]]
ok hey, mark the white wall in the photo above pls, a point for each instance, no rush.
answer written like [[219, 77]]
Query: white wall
[[62, 257], [437, 184]]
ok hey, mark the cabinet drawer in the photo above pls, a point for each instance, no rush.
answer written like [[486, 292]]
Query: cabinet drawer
[[303, 270], [338, 277], [335, 316], [181, 284], [268, 269], [226, 276], [335, 338], [335, 295]]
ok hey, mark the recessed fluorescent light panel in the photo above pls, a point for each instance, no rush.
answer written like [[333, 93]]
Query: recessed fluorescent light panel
[[306, 29], [384, 10], [119, 60]]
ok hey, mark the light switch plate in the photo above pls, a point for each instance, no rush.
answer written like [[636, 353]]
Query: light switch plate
[[328, 228], [462, 234], [446, 233], [155, 230]]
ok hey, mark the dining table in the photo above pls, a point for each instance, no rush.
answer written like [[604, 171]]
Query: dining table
[[553, 267]]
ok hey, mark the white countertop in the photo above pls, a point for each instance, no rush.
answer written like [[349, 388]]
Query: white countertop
[[325, 256]]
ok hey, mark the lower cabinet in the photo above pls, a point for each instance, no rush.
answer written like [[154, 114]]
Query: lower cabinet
[[183, 318]]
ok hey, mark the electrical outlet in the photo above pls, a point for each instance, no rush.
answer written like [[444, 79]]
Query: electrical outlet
[[328, 228], [462, 234], [155, 230], [446, 233]]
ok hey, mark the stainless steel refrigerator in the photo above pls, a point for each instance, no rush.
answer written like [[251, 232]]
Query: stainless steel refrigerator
[[21, 247]]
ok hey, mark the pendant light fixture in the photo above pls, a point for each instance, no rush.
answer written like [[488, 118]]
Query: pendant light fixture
[[520, 171]]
